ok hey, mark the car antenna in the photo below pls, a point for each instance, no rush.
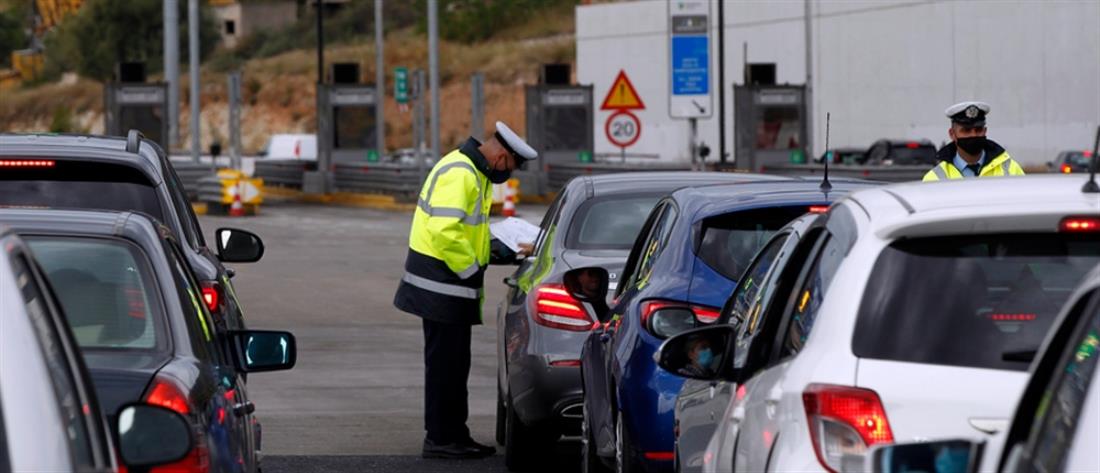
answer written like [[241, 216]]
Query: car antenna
[[825, 185], [1091, 187]]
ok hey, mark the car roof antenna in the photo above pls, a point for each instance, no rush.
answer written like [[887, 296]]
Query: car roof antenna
[[825, 185], [1091, 187]]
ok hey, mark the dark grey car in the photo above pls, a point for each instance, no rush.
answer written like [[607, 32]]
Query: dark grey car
[[540, 328]]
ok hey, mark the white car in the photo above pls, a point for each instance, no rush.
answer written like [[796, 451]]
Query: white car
[[49, 417], [298, 146], [1057, 422], [916, 315]]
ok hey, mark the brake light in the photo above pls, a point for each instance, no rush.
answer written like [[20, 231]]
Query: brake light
[[844, 421], [168, 394], [660, 456], [1066, 169], [211, 295], [912, 145], [26, 163], [554, 307], [1080, 224], [566, 363], [818, 209]]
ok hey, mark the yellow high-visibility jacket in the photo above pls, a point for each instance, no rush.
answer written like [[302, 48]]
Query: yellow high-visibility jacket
[[1001, 165]]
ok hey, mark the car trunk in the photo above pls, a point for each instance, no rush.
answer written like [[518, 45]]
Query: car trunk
[[925, 401], [120, 377], [611, 260]]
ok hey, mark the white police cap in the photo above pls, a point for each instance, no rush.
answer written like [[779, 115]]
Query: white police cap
[[513, 143], [970, 113]]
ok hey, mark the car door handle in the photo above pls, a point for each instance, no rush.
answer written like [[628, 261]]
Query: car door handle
[[244, 408]]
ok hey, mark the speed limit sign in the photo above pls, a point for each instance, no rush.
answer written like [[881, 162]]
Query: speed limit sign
[[623, 128]]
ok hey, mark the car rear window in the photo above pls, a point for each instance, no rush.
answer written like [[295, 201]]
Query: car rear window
[[78, 185], [910, 154], [982, 301], [1078, 159], [728, 242], [610, 222], [106, 289]]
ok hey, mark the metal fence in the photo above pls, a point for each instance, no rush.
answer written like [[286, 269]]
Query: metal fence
[[210, 189], [558, 175], [282, 172], [402, 180], [875, 173], [191, 173]]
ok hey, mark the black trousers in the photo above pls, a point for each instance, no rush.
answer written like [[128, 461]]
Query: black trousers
[[446, 371]]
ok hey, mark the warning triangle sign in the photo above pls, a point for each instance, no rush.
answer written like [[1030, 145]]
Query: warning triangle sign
[[622, 95]]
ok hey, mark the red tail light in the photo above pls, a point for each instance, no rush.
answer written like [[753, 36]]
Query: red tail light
[[664, 319], [844, 420], [211, 295], [554, 307], [166, 393], [1080, 224], [660, 456], [912, 145], [818, 209], [1066, 169], [26, 163]]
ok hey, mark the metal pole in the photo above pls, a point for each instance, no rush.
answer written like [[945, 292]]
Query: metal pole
[[477, 105], [193, 60], [809, 139], [692, 148], [433, 68], [235, 120], [721, 82], [419, 129], [323, 163], [172, 70], [379, 79]]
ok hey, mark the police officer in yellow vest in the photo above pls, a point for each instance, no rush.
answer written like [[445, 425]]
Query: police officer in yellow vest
[[449, 249], [971, 154]]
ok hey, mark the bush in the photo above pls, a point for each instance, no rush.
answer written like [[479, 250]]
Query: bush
[[62, 121]]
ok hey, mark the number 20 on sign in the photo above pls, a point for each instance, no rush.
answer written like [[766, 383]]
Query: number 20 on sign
[[623, 128]]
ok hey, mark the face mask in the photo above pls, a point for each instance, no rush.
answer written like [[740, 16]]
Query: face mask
[[499, 177], [972, 145], [705, 357]]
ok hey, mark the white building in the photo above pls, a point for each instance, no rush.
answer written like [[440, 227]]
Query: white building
[[882, 68]]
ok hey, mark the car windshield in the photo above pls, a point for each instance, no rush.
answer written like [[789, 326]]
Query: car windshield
[[106, 289], [728, 242], [610, 222], [981, 301], [78, 185]]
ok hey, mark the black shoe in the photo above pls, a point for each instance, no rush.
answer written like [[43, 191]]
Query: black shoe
[[457, 450]]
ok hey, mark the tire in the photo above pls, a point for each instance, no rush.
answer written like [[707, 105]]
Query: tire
[[520, 443], [590, 460], [625, 460], [501, 419]]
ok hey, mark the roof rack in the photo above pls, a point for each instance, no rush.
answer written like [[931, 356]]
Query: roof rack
[[133, 141]]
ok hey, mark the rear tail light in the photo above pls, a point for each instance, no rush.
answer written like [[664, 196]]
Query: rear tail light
[[1080, 224], [664, 319], [211, 295], [660, 456], [554, 307], [844, 421], [167, 393], [1066, 169], [912, 145], [26, 163], [818, 209]]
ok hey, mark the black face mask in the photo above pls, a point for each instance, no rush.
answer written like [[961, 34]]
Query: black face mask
[[499, 177], [972, 145]]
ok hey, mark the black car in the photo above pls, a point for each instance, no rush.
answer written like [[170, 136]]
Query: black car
[[540, 330], [134, 309], [1070, 161], [900, 152], [131, 174]]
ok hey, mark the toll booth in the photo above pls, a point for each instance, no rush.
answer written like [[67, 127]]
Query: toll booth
[[349, 130], [769, 125], [133, 104], [559, 126]]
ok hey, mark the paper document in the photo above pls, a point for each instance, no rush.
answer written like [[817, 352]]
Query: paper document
[[513, 231]]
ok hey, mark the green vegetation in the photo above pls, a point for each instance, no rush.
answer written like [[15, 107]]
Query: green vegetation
[[12, 36]]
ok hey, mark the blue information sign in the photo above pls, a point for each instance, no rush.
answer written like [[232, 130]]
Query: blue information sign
[[690, 65]]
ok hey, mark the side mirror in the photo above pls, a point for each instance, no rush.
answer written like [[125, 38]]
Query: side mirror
[[589, 284], [151, 435], [264, 350], [238, 246], [942, 455], [702, 353]]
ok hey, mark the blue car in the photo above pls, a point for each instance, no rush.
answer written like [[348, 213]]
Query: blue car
[[684, 263]]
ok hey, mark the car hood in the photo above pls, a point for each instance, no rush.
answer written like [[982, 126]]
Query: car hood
[[611, 260], [121, 377]]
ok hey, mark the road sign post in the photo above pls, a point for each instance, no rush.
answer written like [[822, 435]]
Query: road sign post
[[401, 85]]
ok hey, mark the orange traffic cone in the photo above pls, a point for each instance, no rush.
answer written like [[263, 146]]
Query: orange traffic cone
[[237, 208], [509, 207]]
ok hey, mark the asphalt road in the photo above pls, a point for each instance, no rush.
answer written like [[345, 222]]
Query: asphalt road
[[354, 402]]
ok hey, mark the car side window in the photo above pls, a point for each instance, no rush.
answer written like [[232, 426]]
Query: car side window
[[548, 222], [69, 400], [200, 326], [654, 244], [746, 299], [631, 267], [180, 201], [809, 297], [1061, 404]]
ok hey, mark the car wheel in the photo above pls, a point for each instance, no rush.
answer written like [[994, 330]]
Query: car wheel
[[521, 443], [625, 462], [501, 414], [590, 461]]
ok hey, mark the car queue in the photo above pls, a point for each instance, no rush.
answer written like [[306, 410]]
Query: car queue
[[887, 314], [146, 343]]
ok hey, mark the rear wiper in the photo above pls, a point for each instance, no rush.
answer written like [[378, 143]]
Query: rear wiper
[[1022, 356]]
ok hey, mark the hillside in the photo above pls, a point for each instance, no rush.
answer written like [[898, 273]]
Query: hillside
[[278, 91]]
